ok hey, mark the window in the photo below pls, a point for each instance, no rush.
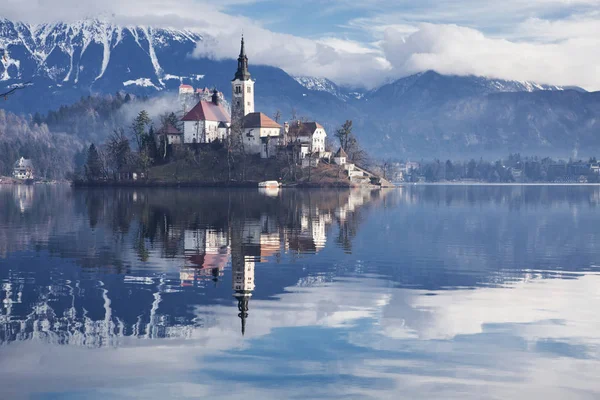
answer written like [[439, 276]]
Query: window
[[249, 89], [238, 90], [248, 104], [239, 103]]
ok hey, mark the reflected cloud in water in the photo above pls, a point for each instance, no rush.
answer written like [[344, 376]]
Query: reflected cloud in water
[[195, 294]]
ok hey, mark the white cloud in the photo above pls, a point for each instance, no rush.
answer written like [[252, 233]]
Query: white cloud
[[344, 62], [579, 26], [514, 39], [481, 341], [451, 49]]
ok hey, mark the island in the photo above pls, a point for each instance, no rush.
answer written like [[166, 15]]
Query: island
[[214, 143]]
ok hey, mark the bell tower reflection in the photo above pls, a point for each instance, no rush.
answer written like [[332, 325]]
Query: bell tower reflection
[[243, 286], [242, 269]]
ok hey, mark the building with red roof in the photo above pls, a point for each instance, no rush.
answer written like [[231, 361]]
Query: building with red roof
[[206, 122]]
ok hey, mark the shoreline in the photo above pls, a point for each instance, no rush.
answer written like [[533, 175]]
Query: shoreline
[[203, 184], [404, 184]]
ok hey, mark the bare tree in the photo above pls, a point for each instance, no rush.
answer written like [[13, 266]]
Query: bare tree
[[236, 149], [350, 144], [344, 134], [119, 151]]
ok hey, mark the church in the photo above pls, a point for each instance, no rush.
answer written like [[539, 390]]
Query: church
[[209, 120]]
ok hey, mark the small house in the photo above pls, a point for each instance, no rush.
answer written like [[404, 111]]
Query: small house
[[261, 134], [23, 169], [171, 134], [340, 158], [310, 133]]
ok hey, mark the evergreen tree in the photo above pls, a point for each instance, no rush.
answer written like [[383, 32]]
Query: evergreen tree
[[93, 166], [139, 126]]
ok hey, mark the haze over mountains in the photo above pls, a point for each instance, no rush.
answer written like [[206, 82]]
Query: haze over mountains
[[424, 115]]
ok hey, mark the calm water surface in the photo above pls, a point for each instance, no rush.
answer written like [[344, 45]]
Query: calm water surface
[[420, 293]]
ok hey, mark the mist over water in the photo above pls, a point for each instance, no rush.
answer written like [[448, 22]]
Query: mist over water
[[429, 291]]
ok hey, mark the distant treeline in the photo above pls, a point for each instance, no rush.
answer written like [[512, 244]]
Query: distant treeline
[[92, 118], [515, 168]]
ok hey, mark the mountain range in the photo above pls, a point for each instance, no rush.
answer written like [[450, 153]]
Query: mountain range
[[423, 115]]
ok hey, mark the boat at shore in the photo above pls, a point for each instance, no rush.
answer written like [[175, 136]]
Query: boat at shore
[[269, 185]]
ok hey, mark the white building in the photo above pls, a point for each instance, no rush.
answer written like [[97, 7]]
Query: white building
[[23, 169], [242, 87], [311, 135], [260, 134], [171, 135], [340, 158], [206, 122], [186, 90]]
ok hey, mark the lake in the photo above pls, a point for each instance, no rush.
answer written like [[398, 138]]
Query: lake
[[420, 292]]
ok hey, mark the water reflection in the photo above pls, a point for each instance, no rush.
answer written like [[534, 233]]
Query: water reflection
[[441, 292], [147, 256]]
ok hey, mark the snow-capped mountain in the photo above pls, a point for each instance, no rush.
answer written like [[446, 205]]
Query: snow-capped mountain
[[324, 85], [452, 86], [84, 52], [66, 61], [424, 114]]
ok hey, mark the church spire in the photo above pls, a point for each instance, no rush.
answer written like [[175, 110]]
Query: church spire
[[242, 50], [243, 309], [242, 71]]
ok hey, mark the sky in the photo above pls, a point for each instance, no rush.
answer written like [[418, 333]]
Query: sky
[[365, 44]]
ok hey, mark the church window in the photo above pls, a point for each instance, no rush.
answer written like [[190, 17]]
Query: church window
[[249, 89], [238, 89], [248, 104], [238, 103]]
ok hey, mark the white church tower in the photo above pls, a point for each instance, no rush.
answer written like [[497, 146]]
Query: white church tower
[[243, 89]]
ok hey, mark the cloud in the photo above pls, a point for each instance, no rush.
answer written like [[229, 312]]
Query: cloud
[[451, 49], [344, 62], [548, 41], [374, 340]]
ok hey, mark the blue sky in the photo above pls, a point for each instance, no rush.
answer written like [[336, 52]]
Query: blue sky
[[367, 43]]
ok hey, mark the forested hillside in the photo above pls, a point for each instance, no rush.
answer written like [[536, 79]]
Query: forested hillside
[[54, 141], [54, 154]]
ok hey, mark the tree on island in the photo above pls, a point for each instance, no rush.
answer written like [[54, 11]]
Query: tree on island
[[166, 120], [119, 150], [277, 116], [139, 126], [350, 144], [93, 166]]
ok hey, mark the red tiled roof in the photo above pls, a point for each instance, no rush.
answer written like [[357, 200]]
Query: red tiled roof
[[259, 120], [208, 111], [183, 86]]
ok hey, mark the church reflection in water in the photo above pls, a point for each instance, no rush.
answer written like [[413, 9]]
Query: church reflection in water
[[140, 263]]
